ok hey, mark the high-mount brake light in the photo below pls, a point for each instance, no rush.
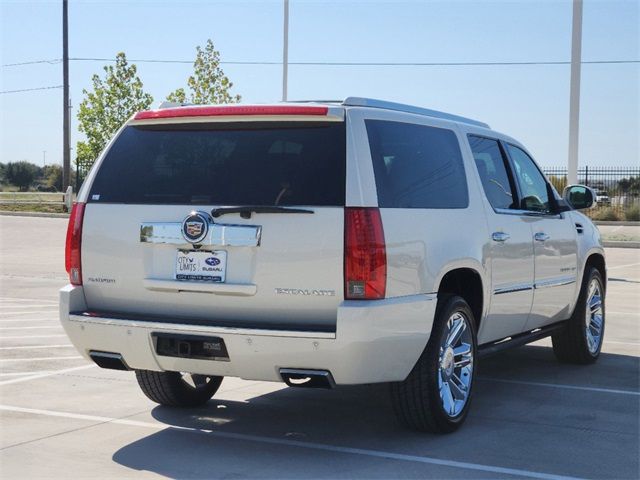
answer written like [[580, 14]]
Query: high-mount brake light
[[72, 259], [365, 254], [241, 110]]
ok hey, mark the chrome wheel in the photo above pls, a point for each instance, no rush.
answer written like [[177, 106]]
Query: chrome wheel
[[455, 364], [594, 316]]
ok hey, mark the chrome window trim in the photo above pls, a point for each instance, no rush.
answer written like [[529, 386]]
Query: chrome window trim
[[219, 235], [527, 213]]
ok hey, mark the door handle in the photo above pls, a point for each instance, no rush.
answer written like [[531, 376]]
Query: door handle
[[500, 236], [541, 237]]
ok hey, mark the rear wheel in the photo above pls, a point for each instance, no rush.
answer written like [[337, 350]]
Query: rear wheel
[[580, 342], [177, 389], [435, 397]]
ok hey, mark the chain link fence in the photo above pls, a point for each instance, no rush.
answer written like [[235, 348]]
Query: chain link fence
[[617, 190]]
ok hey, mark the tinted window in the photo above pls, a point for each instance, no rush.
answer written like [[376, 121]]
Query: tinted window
[[416, 166], [533, 186], [226, 164], [491, 165]]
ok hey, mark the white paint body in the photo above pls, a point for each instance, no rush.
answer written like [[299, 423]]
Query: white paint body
[[357, 341]]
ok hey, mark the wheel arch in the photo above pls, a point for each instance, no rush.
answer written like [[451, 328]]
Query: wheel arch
[[468, 282]]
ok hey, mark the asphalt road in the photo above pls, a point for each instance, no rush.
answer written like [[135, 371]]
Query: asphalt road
[[532, 417]]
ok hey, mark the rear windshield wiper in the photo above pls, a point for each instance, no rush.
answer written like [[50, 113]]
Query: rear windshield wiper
[[245, 212]]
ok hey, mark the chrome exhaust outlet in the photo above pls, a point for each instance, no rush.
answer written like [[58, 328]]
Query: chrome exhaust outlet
[[296, 377], [112, 361]]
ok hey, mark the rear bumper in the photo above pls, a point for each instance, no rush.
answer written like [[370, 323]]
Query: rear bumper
[[375, 341]]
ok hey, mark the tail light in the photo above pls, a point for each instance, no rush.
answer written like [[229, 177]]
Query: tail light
[[365, 254], [72, 260]]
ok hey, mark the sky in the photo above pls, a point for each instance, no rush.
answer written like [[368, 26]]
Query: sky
[[528, 102]]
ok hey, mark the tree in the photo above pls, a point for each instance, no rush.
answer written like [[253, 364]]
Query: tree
[[208, 84], [103, 111], [21, 174]]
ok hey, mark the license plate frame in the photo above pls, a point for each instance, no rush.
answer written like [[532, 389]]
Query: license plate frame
[[201, 266]]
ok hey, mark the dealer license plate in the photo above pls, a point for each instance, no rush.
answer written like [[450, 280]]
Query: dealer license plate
[[201, 266]]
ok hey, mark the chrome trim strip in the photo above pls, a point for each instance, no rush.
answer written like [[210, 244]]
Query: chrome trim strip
[[174, 327], [526, 213], [220, 234], [513, 288], [216, 288], [555, 282]]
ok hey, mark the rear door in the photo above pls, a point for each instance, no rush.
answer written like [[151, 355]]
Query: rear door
[[145, 254], [512, 261]]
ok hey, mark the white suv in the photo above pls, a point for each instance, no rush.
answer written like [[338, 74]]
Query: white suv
[[323, 244]]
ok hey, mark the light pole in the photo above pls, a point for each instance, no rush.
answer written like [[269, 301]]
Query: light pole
[[285, 51], [44, 158], [574, 92], [66, 139]]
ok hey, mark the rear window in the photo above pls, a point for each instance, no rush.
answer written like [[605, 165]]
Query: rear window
[[416, 166], [265, 163]]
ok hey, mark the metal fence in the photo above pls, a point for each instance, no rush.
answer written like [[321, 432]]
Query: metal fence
[[617, 190], [39, 199]]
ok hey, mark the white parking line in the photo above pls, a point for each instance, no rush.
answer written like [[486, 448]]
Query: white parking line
[[21, 305], [22, 299], [623, 266], [46, 374], [25, 337], [30, 312], [294, 443], [28, 328], [36, 359], [27, 319], [558, 385], [30, 347], [17, 374]]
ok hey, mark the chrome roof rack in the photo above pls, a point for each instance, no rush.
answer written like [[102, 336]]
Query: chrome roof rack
[[373, 103]]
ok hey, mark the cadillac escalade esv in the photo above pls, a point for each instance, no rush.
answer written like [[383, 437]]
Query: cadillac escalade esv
[[324, 244]]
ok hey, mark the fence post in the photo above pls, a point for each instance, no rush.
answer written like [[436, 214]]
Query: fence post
[[586, 175], [68, 199]]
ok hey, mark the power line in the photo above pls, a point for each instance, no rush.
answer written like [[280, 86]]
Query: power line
[[30, 89], [336, 64]]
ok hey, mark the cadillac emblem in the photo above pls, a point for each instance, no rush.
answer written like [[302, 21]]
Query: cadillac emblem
[[195, 227]]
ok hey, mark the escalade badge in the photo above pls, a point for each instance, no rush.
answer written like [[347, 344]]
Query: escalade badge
[[195, 227]]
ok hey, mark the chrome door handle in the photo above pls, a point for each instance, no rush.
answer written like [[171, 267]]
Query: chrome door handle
[[541, 237], [500, 236]]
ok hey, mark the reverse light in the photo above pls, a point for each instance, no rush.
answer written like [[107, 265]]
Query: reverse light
[[365, 254], [72, 259]]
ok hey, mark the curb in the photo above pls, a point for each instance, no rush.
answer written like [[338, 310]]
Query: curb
[[620, 244], [33, 214], [617, 224]]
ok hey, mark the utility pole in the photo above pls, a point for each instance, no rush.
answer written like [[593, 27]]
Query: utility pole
[[66, 138], [574, 92], [44, 158], [285, 51]]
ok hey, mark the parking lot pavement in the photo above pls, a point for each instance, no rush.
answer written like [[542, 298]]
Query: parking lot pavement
[[532, 417]]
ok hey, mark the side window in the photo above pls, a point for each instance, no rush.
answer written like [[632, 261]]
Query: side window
[[533, 186], [416, 166], [491, 165]]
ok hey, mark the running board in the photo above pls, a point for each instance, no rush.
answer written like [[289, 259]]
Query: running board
[[492, 348]]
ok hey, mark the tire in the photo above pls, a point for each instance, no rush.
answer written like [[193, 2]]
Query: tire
[[175, 389], [419, 400], [580, 341]]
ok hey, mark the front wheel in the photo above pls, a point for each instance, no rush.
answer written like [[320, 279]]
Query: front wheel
[[176, 389], [581, 340], [435, 397]]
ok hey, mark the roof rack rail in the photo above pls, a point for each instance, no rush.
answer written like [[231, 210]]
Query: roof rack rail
[[373, 103], [167, 104]]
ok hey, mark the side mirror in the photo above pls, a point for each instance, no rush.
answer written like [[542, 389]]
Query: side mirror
[[579, 196]]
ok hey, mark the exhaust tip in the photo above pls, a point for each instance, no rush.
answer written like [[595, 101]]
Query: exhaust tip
[[112, 361], [302, 378]]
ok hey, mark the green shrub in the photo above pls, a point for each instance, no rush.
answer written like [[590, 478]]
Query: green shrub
[[606, 214], [633, 214]]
